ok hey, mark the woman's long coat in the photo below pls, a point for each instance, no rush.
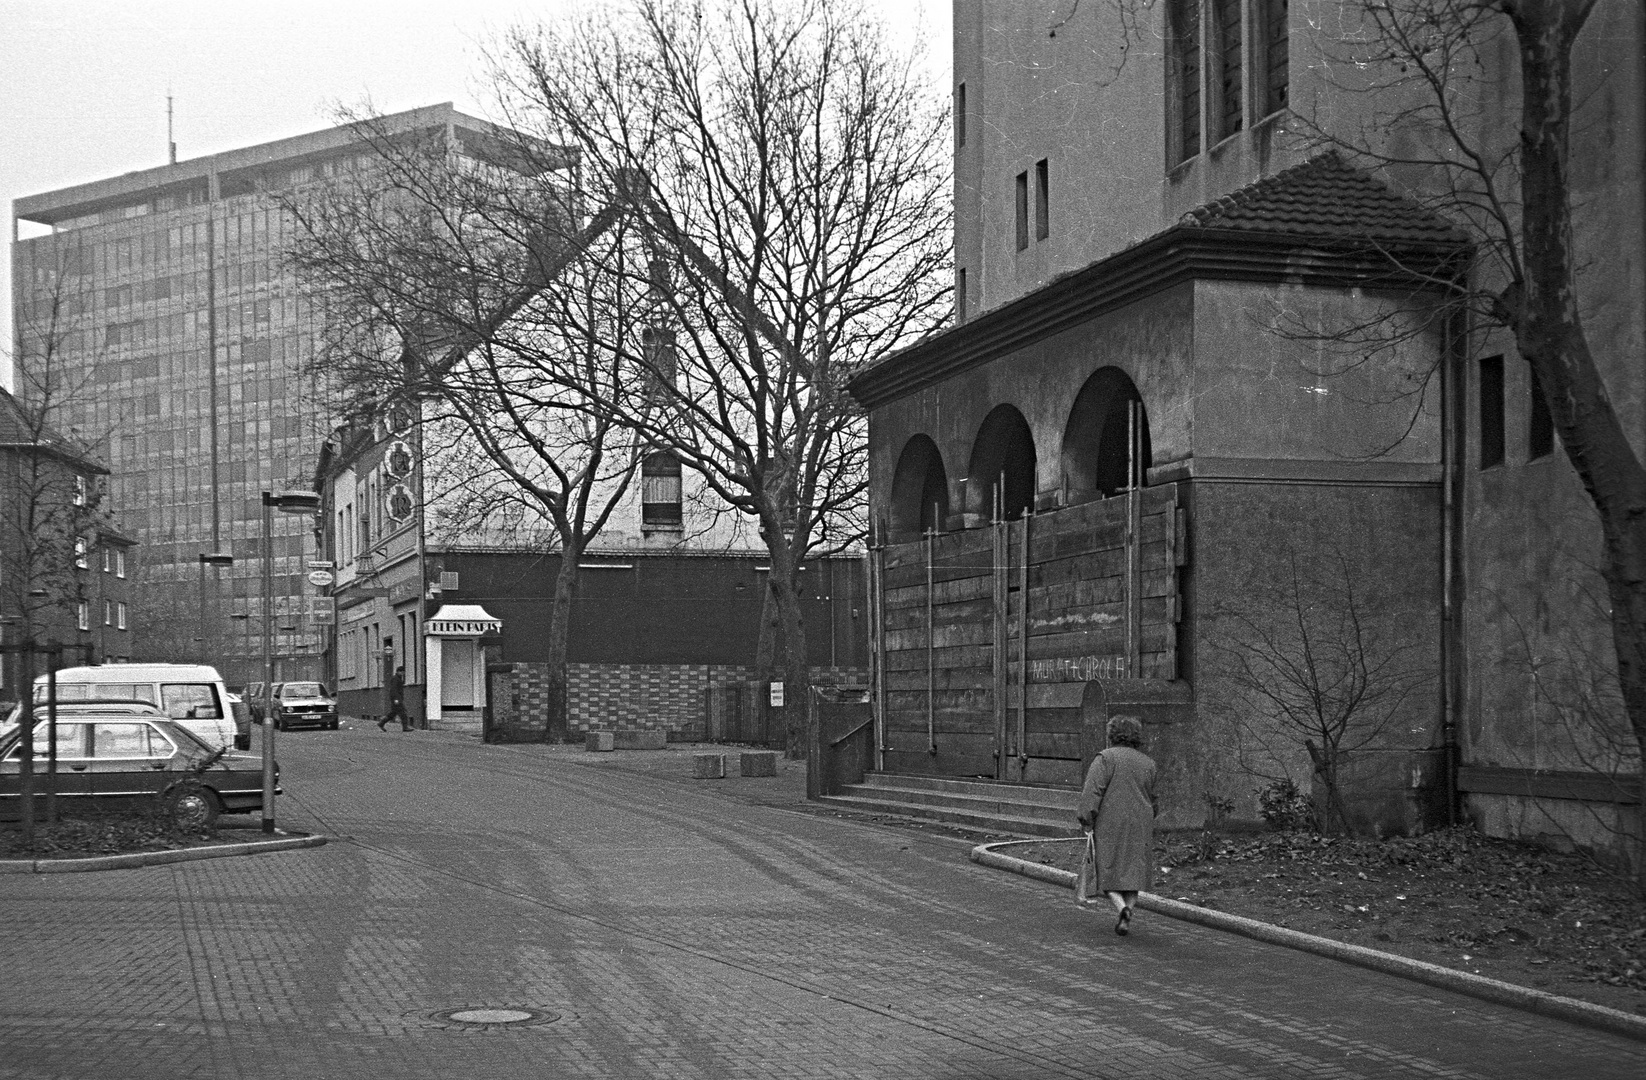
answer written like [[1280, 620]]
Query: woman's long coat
[[1119, 799]]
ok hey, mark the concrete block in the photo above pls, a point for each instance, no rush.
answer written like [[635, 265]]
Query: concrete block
[[758, 762], [600, 740], [640, 740], [708, 766]]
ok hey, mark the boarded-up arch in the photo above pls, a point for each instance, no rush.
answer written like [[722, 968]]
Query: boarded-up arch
[[1095, 457], [920, 491], [1002, 453]]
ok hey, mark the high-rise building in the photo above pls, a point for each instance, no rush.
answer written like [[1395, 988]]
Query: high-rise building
[[159, 309]]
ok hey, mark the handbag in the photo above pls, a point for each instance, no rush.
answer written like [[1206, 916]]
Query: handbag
[[1085, 885]]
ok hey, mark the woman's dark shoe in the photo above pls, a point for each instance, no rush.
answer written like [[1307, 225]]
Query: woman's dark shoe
[[1123, 926]]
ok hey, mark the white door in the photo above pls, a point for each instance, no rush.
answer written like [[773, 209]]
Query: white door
[[457, 674]]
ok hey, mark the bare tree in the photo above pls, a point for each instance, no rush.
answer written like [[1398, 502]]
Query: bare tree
[[430, 264], [1434, 73], [1310, 664], [782, 174], [50, 487]]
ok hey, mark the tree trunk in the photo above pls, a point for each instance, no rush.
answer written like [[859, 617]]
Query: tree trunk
[[560, 622], [1550, 334], [25, 772], [785, 590]]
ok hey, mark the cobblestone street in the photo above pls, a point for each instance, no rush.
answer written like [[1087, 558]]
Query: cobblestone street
[[664, 927]]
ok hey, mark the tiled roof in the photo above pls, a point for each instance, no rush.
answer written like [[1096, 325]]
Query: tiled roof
[[17, 432], [1326, 197]]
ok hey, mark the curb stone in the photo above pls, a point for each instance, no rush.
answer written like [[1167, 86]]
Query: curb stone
[[1478, 986], [155, 858]]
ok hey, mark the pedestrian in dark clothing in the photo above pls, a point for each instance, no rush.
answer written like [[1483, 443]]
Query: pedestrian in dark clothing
[[1117, 810], [397, 702]]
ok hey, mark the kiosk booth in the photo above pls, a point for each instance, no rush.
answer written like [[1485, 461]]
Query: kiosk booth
[[455, 665]]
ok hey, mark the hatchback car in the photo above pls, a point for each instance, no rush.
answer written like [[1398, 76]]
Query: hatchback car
[[121, 754], [302, 704]]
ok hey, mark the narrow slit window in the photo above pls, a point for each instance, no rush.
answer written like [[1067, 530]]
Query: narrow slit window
[[1540, 425], [1491, 411], [960, 294], [1022, 210], [960, 115], [1042, 199], [1230, 40], [1185, 77], [1276, 31]]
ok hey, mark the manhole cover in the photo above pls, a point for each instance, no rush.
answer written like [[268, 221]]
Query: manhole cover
[[487, 1016]]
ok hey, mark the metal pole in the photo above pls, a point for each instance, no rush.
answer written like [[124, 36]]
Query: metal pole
[[931, 660], [268, 662], [1023, 648], [54, 654], [201, 629]]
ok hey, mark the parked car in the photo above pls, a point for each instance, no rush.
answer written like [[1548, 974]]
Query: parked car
[[302, 704], [242, 721], [191, 694], [253, 696], [113, 754]]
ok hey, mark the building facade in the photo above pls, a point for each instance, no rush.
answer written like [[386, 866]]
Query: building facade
[[665, 620], [1151, 430], [165, 295], [64, 563]]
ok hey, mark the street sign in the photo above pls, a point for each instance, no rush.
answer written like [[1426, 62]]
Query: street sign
[[320, 578], [320, 564]]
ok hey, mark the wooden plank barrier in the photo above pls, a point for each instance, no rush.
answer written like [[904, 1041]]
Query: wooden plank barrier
[[1090, 600]]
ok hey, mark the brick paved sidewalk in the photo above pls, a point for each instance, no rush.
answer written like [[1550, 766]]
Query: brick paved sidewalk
[[671, 928]]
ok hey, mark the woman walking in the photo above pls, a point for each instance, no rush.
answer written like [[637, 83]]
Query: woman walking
[[1117, 810]]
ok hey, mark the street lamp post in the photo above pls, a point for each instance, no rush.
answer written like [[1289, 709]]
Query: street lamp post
[[208, 558], [290, 502]]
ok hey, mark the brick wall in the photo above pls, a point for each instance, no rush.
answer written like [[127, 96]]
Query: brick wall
[[675, 698]]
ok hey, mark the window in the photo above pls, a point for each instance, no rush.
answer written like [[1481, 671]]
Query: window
[[1230, 44], [120, 615], [1540, 425], [111, 740], [1042, 196], [80, 552], [1491, 411], [1274, 32], [1230, 55], [79, 490], [108, 613], [82, 613], [960, 294], [190, 701], [660, 494], [108, 559], [1184, 20], [1022, 210], [960, 115], [119, 562]]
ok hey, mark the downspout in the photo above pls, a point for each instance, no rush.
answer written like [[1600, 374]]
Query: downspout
[[1454, 351]]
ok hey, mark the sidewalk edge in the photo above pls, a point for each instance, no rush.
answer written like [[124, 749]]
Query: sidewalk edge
[[1478, 986], [155, 858]]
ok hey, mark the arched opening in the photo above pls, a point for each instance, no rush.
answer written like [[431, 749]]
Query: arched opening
[[920, 491], [1000, 480], [1096, 456]]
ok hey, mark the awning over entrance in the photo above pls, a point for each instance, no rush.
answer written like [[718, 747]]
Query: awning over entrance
[[463, 620]]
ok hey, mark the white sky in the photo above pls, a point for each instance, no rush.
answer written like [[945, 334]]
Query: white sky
[[83, 83]]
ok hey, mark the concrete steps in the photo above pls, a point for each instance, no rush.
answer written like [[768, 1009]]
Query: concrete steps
[[974, 804]]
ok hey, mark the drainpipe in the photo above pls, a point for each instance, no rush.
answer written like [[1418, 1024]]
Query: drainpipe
[[1454, 353]]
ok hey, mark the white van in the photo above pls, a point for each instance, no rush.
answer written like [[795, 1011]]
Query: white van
[[193, 695]]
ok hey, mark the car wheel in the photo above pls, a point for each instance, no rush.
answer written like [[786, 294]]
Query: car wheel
[[280, 723], [332, 725], [192, 807]]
